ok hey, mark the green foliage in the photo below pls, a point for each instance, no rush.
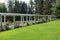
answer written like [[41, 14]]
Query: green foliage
[[45, 31], [10, 6], [17, 7], [56, 8], [24, 7], [39, 6], [3, 7], [47, 7], [31, 6], [44, 6]]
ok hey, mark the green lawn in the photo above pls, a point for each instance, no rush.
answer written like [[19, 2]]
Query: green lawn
[[45, 31]]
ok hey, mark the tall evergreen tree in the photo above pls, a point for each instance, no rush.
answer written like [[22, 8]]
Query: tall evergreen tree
[[24, 7], [3, 7], [39, 6], [17, 6], [31, 6], [11, 5], [44, 6], [56, 8], [47, 7]]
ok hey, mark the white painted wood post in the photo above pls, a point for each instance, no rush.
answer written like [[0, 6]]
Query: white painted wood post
[[43, 18], [50, 18], [35, 19], [14, 20], [4, 19], [31, 19], [20, 19], [39, 18], [1, 19], [0, 22], [23, 20]]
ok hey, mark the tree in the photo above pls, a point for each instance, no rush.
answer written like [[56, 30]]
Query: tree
[[11, 5], [47, 7], [17, 7], [56, 8], [24, 8], [43, 7], [39, 6], [20, 7], [31, 6], [3, 7]]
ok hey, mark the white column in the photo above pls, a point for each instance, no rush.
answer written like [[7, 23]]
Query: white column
[[14, 20], [0, 20], [43, 18], [29, 20], [35, 19], [22, 20], [4, 19], [40, 19]]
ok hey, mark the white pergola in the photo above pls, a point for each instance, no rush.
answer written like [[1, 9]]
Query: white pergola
[[37, 17]]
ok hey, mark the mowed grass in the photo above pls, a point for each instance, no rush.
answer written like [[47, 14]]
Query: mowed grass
[[45, 31]]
